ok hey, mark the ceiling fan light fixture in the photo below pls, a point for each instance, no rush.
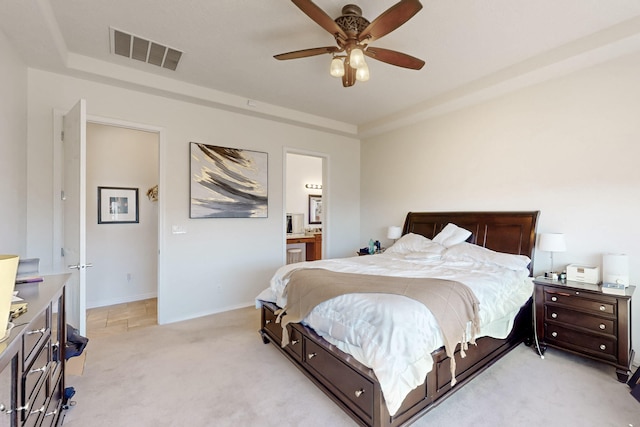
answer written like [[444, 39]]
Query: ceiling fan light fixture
[[362, 73], [356, 58], [337, 67]]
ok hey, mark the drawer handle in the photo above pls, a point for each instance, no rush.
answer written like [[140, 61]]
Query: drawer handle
[[603, 308], [554, 315], [20, 408], [359, 393], [554, 334], [602, 326], [48, 414], [43, 369], [37, 411], [603, 347], [266, 322], [311, 355], [37, 331], [294, 342], [554, 299]]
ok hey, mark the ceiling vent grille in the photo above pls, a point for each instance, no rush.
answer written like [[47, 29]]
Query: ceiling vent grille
[[148, 51]]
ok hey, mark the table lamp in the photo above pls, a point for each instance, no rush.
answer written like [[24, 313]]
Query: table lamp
[[394, 233], [8, 271], [552, 242]]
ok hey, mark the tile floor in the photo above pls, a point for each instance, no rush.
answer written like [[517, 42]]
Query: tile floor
[[116, 319]]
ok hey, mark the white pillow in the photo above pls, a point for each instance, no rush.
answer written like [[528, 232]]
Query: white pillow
[[451, 235], [411, 242], [471, 252]]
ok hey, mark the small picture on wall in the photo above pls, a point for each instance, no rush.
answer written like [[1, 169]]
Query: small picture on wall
[[117, 205], [228, 182], [315, 209]]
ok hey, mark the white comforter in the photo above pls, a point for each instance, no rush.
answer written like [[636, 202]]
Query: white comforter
[[395, 335]]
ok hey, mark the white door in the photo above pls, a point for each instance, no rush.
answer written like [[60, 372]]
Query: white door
[[74, 212]]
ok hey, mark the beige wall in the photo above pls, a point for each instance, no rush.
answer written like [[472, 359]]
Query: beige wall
[[568, 147], [219, 264], [13, 152]]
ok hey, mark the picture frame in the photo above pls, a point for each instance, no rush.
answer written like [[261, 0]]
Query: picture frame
[[118, 205], [315, 209], [228, 182]]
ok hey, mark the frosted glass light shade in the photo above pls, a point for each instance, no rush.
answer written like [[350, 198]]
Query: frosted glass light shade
[[356, 58], [337, 67], [394, 232], [362, 73], [8, 271], [552, 242]]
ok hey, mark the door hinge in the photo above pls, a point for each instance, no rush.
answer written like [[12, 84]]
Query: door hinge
[[62, 196], [61, 135], [61, 252]]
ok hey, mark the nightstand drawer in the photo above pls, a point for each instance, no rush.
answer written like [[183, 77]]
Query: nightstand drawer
[[601, 306], [601, 346], [581, 320]]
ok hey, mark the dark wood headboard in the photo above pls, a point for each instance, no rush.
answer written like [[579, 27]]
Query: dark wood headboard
[[509, 232]]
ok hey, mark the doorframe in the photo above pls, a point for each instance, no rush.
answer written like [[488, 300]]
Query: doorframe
[[326, 199], [57, 259]]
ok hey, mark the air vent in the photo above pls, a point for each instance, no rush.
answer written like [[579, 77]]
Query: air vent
[[148, 51]]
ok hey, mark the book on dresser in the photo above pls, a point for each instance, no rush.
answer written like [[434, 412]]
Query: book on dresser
[[613, 288]]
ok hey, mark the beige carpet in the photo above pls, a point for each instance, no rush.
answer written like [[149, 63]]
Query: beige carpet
[[215, 371]]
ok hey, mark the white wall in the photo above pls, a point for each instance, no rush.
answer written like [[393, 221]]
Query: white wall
[[124, 256], [218, 264], [568, 147], [13, 151], [301, 170]]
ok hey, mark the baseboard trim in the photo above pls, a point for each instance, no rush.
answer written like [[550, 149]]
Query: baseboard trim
[[121, 300]]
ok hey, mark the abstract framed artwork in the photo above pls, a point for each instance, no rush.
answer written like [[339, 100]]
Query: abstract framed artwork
[[228, 182], [117, 205]]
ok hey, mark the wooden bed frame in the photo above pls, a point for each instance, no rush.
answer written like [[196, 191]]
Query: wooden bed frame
[[354, 387]]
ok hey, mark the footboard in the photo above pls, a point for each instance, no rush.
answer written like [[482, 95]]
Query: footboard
[[354, 387]]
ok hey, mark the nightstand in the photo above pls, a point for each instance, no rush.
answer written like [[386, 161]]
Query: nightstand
[[580, 318]]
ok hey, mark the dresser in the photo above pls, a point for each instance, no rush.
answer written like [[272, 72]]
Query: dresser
[[32, 358], [580, 318], [312, 243]]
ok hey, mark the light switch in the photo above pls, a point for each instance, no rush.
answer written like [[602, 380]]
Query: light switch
[[178, 229]]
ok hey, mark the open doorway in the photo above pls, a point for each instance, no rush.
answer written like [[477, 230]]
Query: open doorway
[[122, 285], [304, 207]]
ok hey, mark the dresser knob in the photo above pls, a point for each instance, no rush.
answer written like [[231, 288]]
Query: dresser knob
[[603, 347], [266, 322], [311, 355], [602, 326], [359, 393], [294, 342], [554, 334], [37, 331], [554, 315], [603, 308], [554, 299], [577, 292]]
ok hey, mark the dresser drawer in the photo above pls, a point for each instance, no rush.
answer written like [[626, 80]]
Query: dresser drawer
[[596, 345], [295, 342], [601, 306], [35, 334], [36, 408], [579, 319], [345, 380], [269, 319], [35, 372]]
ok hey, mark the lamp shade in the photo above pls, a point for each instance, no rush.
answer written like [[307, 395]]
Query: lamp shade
[[552, 242], [8, 271], [394, 232]]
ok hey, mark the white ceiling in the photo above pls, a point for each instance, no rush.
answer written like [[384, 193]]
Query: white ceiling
[[474, 49]]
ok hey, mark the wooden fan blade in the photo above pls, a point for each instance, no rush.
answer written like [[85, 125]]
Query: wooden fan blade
[[394, 58], [390, 19], [349, 77], [307, 52], [320, 17]]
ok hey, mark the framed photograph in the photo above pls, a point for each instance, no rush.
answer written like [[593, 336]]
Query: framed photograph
[[228, 182], [315, 209], [117, 205]]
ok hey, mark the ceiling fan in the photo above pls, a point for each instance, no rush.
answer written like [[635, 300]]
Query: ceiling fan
[[353, 34]]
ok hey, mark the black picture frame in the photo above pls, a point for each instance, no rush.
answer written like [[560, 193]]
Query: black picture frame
[[118, 205], [315, 209]]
